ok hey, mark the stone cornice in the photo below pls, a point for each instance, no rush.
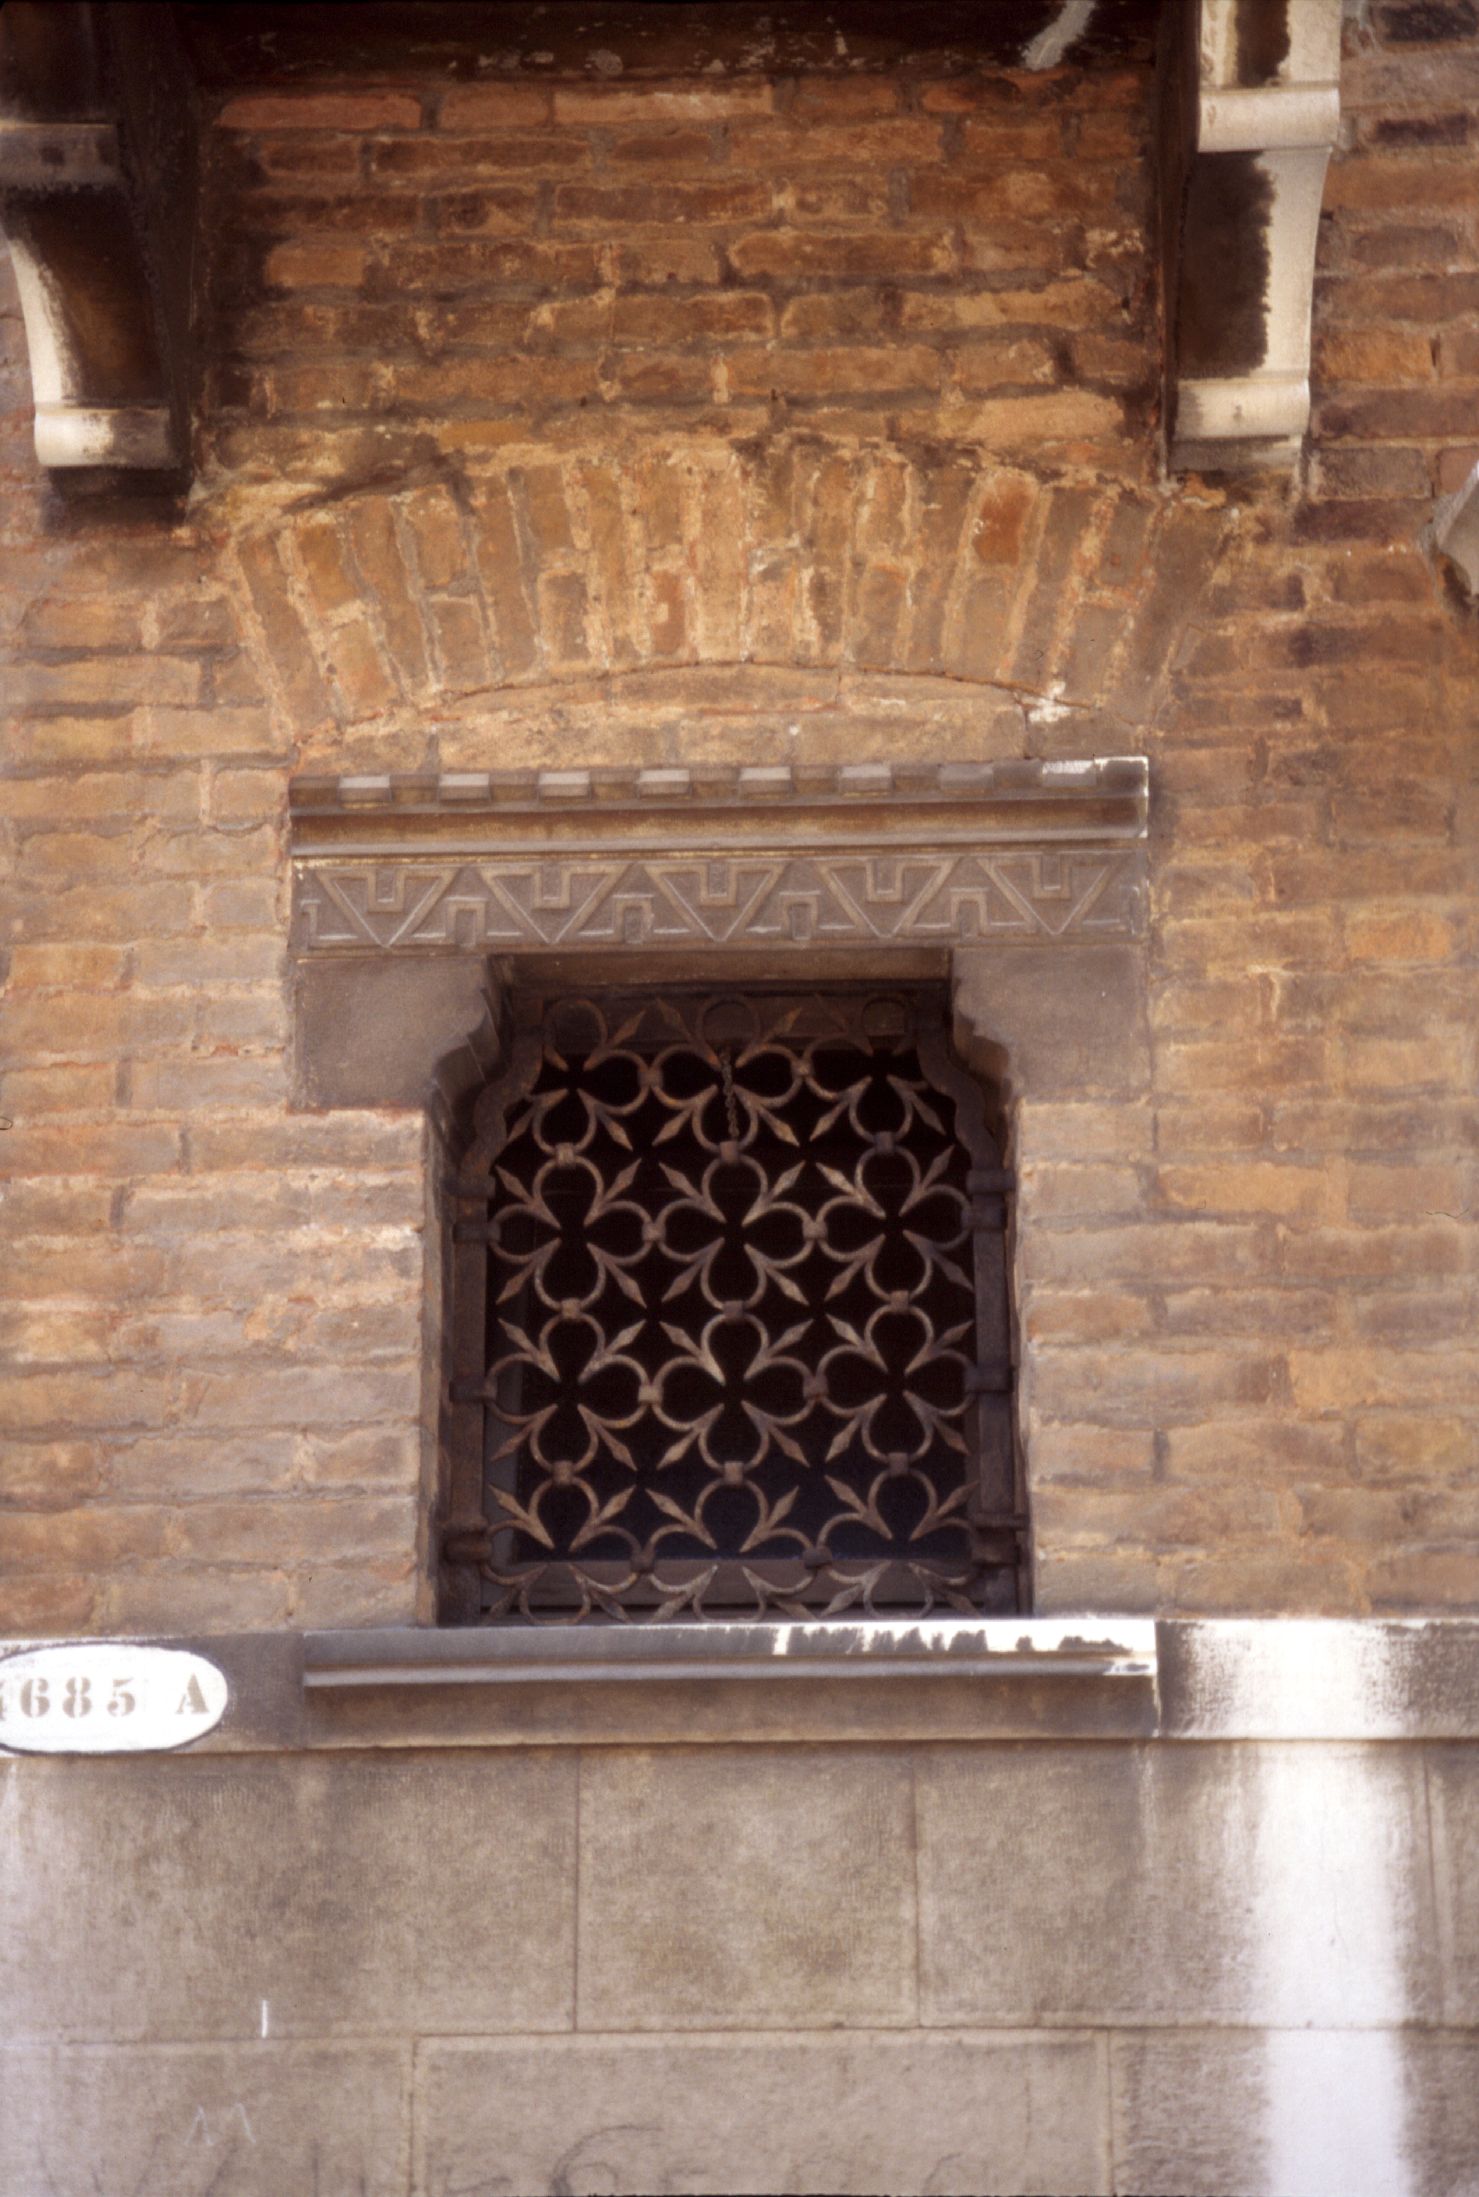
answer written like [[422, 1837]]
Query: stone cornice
[[1101, 797]]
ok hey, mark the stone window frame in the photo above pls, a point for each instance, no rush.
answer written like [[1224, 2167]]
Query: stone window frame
[[417, 897]]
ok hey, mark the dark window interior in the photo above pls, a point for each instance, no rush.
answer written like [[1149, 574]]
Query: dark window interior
[[729, 1324]]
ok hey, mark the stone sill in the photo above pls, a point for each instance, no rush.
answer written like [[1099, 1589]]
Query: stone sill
[[1047, 1680], [760, 1653]]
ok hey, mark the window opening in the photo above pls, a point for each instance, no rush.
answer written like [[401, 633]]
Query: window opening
[[729, 1322]]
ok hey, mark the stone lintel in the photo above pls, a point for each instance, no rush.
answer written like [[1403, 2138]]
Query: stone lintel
[[416, 898], [883, 856]]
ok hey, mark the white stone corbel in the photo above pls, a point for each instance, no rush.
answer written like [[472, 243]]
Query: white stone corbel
[[102, 379], [1257, 111]]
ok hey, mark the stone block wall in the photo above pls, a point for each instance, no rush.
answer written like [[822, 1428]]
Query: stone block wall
[[1238, 1952], [564, 420]]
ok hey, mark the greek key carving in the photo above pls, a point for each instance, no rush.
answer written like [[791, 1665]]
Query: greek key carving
[[499, 903]]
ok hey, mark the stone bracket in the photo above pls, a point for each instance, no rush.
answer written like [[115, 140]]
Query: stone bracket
[[95, 146], [1253, 110]]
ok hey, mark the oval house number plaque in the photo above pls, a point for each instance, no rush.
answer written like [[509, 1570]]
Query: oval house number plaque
[[107, 1697]]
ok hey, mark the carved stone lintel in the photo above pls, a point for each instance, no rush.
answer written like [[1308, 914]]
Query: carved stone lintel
[[1253, 112], [876, 855], [853, 896], [409, 893]]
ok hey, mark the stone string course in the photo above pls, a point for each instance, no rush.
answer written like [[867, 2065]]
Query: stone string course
[[559, 427]]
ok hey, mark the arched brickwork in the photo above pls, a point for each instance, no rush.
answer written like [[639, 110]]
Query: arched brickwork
[[797, 577]]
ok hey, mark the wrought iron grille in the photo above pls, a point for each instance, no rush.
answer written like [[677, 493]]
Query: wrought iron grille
[[729, 1317]]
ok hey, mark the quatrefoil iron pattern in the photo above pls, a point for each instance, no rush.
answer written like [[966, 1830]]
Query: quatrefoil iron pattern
[[730, 1327]]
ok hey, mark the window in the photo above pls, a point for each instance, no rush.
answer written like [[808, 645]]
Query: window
[[728, 1327]]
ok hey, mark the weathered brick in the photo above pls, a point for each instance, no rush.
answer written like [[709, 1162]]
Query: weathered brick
[[605, 106], [510, 211], [441, 160], [359, 111], [840, 257], [847, 370], [40, 1608], [1287, 1190], [534, 498], [809, 141], [1139, 1385], [42, 1476], [288, 650], [494, 106], [728, 313], [121, 680], [724, 202], [317, 263], [1384, 355]]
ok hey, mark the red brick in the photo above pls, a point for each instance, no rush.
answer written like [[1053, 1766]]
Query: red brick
[[436, 529], [729, 313], [288, 650], [672, 147], [659, 377], [844, 98], [842, 316], [640, 205], [371, 533], [920, 557], [88, 623], [59, 1607], [447, 267], [1398, 414], [823, 199], [1000, 362], [1392, 183], [840, 258], [607, 106], [382, 214], [779, 147], [314, 110], [1079, 302], [1017, 423], [1427, 300], [845, 371], [1385, 355], [500, 564], [509, 212], [1017, 193], [654, 261], [494, 106]]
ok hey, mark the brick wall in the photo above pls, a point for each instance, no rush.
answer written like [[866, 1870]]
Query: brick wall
[[603, 421]]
